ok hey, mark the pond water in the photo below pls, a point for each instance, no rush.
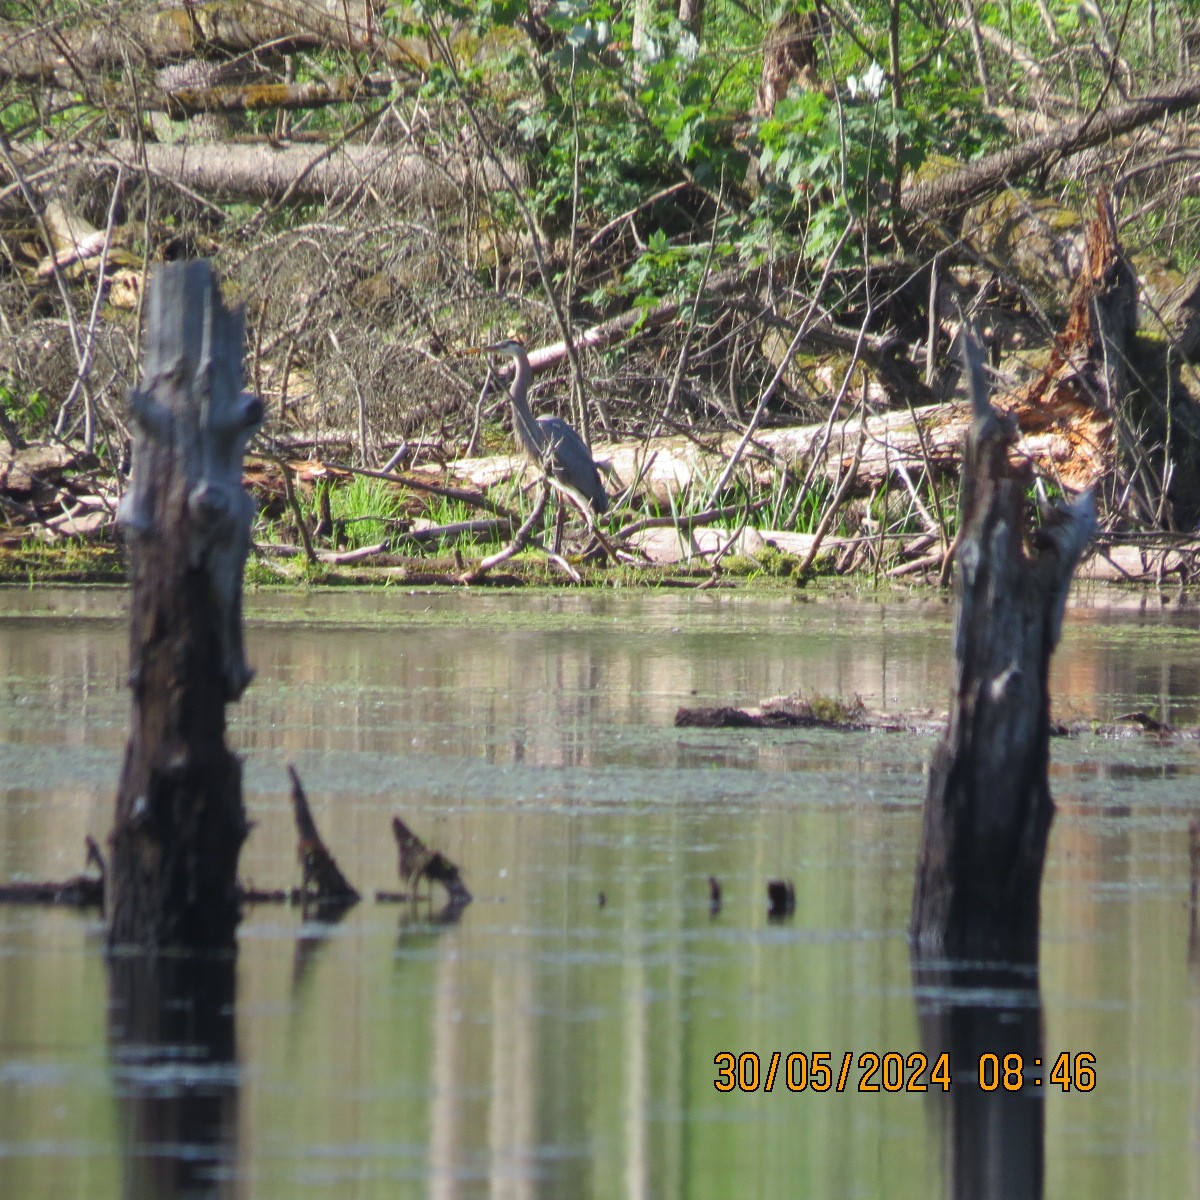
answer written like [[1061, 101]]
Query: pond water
[[547, 1045]]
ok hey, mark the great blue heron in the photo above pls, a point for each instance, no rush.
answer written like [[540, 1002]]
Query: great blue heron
[[549, 441]]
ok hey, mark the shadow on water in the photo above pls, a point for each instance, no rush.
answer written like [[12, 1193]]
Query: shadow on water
[[993, 1141], [173, 1054]]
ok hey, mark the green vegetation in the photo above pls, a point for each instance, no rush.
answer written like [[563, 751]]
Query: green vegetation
[[71, 560], [27, 408], [698, 184], [363, 510]]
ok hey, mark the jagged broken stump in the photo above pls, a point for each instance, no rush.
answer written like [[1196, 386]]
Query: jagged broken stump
[[988, 807], [180, 822], [323, 882], [418, 861]]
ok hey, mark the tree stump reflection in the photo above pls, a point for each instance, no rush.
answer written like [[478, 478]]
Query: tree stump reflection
[[173, 1055]]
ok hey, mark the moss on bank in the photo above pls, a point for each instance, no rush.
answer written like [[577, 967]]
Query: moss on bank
[[67, 562], [80, 562]]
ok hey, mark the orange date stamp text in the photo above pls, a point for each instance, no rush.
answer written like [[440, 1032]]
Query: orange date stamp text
[[892, 1071]]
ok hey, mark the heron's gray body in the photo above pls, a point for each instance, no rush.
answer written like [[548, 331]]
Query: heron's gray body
[[550, 441]]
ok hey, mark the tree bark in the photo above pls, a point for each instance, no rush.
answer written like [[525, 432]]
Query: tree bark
[[180, 823], [988, 807], [691, 14]]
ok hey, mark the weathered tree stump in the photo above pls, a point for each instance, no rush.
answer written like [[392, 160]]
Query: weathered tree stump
[[323, 883], [180, 823], [988, 807], [418, 861]]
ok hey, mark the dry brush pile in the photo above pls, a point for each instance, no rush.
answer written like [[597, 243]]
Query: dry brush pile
[[739, 245]]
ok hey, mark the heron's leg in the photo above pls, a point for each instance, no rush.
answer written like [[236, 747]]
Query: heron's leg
[[560, 521]]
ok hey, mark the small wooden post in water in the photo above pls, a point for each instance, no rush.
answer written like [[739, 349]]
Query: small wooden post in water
[[988, 807], [180, 823]]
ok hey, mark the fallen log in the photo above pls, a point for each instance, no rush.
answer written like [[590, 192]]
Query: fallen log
[[987, 806], [48, 52], [1172, 561], [805, 712], [951, 193], [180, 103], [180, 823], [723, 717], [307, 172], [80, 891], [931, 435], [25, 468], [840, 716]]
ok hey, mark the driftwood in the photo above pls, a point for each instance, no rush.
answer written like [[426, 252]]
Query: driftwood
[[738, 284], [24, 468], [839, 716], [519, 540], [418, 861], [988, 807], [80, 891], [799, 712], [726, 717], [323, 881], [180, 822]]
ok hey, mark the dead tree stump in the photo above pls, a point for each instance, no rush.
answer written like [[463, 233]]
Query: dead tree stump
[[988, 807], [323, 882], [180, 823]]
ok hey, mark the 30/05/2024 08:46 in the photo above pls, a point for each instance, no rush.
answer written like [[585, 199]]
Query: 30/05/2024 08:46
[[895, 1072]]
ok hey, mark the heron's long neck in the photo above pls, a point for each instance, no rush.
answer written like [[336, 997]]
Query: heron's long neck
[[526, 426]]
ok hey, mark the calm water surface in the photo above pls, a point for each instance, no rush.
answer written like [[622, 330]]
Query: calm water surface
[[546, 1046]]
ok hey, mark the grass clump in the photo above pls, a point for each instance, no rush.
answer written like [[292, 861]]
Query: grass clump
[[363, 512], [837, 711]]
